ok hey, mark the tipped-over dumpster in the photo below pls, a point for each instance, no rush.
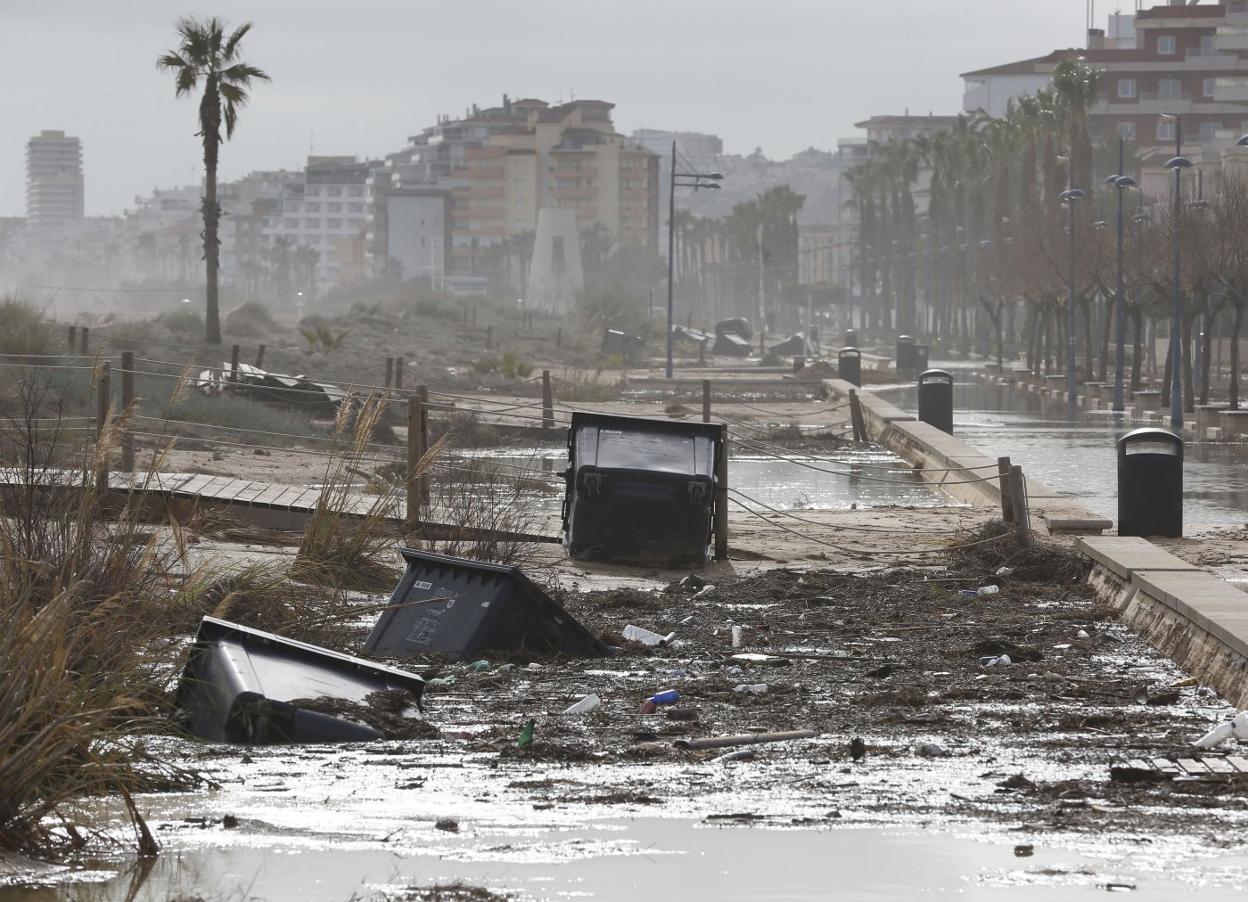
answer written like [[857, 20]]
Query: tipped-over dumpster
[[457, 607], [638, 490], [244, 685]]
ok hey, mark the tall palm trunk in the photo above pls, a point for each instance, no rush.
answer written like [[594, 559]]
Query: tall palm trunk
[[210, 117]]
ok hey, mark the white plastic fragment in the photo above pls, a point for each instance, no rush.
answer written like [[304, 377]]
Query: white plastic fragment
[[644, 636], [585, 705]]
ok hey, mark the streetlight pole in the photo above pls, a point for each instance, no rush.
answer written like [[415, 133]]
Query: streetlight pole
[[1121, 182], [1178, 163], [1070, 195], [708, 180]]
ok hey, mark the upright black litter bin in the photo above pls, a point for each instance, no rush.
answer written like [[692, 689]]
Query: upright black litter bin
[[639, 491], [850, 338], [1150, 484], [905, 354], [459, 607], [849, 365], [936, 400]]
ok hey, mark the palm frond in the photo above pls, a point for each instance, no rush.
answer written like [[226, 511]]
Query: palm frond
[[242, 74], [230, 51], [186, 81]]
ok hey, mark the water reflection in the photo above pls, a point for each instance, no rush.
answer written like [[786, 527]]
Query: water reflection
[[1079, 457]]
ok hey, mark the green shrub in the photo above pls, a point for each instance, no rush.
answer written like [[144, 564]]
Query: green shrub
[[183, 322], [22, 329], [251, 319]]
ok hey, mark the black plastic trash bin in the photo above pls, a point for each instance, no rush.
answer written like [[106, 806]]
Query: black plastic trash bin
[[244, 685], [850, 338], [1150, 483], [905, 354], [849, 365], [616, 342], [638, 490], [936, 400], [459, 607]]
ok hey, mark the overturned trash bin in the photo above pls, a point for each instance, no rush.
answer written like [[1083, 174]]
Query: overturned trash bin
[[793, 346], [242, 685], [458, 607], [616, 342], [638, 490], [730, 345], [1150, 484]]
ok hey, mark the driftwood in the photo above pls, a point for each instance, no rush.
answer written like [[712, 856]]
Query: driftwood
[[720, 742]]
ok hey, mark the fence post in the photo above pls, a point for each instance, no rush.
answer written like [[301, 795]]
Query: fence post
[[1018, 504], [422, 398], [706, 400], [389, 372], [260, 357], [84, 341], [721, 496], [103, 399], [73, 338], [234, 363], [548, 403], [1003, 471], [855, 417], [412, 518], [127, 399], [398, 372], [762, 341]]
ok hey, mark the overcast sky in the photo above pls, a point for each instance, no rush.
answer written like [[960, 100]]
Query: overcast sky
[[359, 76]]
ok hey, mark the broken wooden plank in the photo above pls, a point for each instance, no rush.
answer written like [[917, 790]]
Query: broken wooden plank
[[1166, 766], [1138, 764], [1192, 766], [1217, 765], [1238, 762]]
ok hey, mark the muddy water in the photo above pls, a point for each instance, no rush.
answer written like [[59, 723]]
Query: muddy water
[[840, 483], [655, 859], [1079, 457]]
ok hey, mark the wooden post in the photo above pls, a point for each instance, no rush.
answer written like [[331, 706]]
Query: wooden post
[[73, 338], [389, 372], [474, 316], [260, 357], [103, 399], [1018, 504], [422, 398], [234, 352], [399, 366], [702, 353], [721, 496], [412, 518], [1003, 471], [127, 399], [559, 337], [548, 403], [762, 341], [856, 418], [489, 337], [84, 342], [706, 400]]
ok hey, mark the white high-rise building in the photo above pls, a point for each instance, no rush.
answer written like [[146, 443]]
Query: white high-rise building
[[54, 188]]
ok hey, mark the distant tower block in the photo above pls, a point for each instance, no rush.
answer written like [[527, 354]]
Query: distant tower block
[[555, 273]]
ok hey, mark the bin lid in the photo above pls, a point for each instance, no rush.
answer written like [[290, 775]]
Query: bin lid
[[850, 352], [1151, 440], [936, 376], [633, 443]]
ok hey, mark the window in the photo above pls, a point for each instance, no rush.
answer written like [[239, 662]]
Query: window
[[355, 208], [334, 191], [356, 191], [1126, 88], [333, 223], [1126, 131], [1166, 44], [1165, 130], [290, 223], [1169, 89], [1209, 85], [312, 191], [311, 223], [312, 208], [1208, 45], [333, 208]]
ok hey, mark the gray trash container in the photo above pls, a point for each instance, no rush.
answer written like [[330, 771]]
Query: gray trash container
[[905, 354], [849, 365], [850, 338], [1150, 483], [936, 400]]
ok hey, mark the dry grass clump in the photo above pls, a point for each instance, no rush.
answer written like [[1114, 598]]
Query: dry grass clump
[[81, 660], [345, 546], [993, 546], [22, 328]]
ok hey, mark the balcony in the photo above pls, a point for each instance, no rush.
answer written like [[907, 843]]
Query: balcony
[[1165, 96]]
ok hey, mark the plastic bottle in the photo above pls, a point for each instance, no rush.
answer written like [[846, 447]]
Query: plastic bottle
[[585, 705], [666, 697], [752, 688], [987, 590], [479, 666], [526, 735]]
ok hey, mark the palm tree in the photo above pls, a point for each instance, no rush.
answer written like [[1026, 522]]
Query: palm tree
[[206, 54]]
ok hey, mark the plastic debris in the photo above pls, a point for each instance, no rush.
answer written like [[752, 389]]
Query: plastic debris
[[1004, 571], [585, 705], [931, 750], [648, 707], [751, 688], [720, 742], [666, 697], [532, 666], [736, 637], [479, 666], [646, 637], [987, 590], [1237, 727], [995, 660], [441, 681], [1082, 634], [526, 735]]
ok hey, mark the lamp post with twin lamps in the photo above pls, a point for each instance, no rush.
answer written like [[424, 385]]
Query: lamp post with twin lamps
[[1177, 163], [694, 180]]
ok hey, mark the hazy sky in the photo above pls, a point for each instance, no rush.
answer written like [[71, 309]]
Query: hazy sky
[[359, 76]]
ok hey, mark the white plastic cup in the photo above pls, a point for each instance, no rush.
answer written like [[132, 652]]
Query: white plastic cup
[[585, 705], [736, 637]]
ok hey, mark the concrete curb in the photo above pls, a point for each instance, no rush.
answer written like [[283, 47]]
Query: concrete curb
[[1186, 612]]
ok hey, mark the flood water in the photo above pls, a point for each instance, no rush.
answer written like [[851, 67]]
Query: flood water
[[1079, 457], [838, 481], [658, 859]]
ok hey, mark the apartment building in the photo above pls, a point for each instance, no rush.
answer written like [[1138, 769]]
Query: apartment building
[[54, 183], [1186, 61]]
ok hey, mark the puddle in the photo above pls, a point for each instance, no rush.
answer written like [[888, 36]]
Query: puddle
[[651, 858]]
